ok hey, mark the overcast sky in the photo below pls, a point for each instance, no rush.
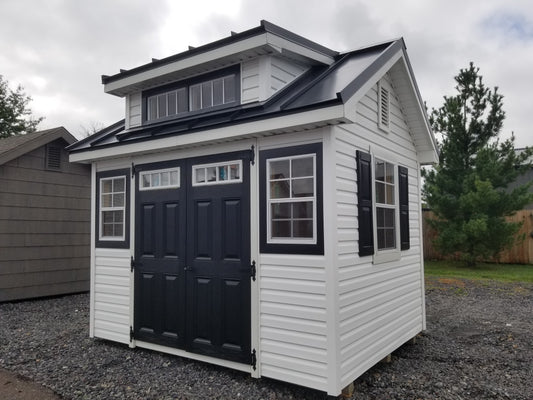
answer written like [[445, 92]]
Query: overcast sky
[[58, 49]]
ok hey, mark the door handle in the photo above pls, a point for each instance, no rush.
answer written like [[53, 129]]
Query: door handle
[[187, 268]]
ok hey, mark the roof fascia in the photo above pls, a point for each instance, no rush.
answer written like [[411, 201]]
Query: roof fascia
[[40, 140], [230, 132]]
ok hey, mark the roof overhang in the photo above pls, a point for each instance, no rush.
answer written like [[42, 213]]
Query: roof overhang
[[265, 39]]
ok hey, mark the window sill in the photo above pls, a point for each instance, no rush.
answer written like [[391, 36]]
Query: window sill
[[386, 256]]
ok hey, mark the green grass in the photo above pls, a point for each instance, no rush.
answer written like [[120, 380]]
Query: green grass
[[497, 272]]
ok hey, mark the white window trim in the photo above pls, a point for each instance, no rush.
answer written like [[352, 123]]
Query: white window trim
[[269, 202], [169, 186], [102, 209], [217, 182], [386, 255]]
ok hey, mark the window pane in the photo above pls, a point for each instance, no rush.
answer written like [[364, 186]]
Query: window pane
[[380, 192], [118, 185], [380, 170], [155, 179], [281, 211], [165, 178], [200, 175], [207, 94], [389, 218], [146, 181], [223, 173], [279, 169], [117, 231], [218, 92], [172, 103], [182, 101], [162, 105], [389, 176], [390, 239], [281, 229], [211, 174], [235, 172], [106, 200], [107, 230], [390, 194], [152, 108], [118, 216], [196, 102], [107, 186], [107, 216], [381, 239], [279, 189], [302, 229], [174, 178], [302, 209], [302, 187], [302, 167], [229, 89], [118, 200]]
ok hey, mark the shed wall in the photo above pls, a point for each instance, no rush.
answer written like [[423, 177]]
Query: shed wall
[[44, 227], [381, 306]]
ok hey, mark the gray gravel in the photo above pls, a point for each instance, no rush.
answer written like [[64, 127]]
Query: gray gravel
[[478, 345]]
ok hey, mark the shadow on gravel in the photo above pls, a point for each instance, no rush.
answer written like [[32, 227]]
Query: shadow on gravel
[[478, 344]]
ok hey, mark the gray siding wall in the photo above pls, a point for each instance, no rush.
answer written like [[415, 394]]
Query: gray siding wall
[[44, 227]]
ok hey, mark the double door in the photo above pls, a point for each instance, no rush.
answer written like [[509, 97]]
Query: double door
[[192, 255]]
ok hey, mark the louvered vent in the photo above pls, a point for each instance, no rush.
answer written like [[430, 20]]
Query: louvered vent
[[53, 157], [383, 108]]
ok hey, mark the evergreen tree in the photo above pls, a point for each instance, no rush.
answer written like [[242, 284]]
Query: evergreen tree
[[467, 190], [15, 116]]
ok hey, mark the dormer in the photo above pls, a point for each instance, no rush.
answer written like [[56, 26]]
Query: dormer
[[244, 68]]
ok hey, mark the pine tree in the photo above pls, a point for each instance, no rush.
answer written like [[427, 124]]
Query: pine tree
[[15, 116], [467, 190]]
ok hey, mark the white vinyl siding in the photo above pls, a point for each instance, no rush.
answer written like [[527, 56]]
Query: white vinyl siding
[[380, 305], [293, 333], [264, 76], [283, 72], [133, 110], [112, 295]]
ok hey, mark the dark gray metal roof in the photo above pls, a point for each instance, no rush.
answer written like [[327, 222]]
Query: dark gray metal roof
[[319, 87]]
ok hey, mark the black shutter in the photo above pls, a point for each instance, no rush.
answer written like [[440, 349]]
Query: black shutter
[[364, 203], [404, 207]]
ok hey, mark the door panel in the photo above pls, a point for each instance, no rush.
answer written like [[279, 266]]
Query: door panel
[[192, 273]]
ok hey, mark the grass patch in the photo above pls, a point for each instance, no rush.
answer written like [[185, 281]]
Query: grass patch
[[496, 272]]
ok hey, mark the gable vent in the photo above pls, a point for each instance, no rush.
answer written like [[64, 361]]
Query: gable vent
[[53, 157], [384, 108]]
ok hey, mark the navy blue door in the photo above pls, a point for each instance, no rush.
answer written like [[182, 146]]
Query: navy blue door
[[192, 280]]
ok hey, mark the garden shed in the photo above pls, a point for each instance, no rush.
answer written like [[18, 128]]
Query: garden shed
[[44, 216], [259, 207]]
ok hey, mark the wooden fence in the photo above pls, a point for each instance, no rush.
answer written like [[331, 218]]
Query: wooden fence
[[521, 253]]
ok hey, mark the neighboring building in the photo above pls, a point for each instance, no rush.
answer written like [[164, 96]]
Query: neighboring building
[[259, 207], [44, 216]]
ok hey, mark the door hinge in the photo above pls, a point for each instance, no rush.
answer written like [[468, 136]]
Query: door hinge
[[132, 264], [252, 155], [254, 360], [132, 334], [253, 270], [132, 170]]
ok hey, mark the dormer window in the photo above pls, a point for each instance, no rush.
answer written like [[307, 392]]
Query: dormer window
[[220, 89]]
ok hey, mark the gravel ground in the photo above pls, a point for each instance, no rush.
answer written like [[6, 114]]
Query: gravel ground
[[478, 345]]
